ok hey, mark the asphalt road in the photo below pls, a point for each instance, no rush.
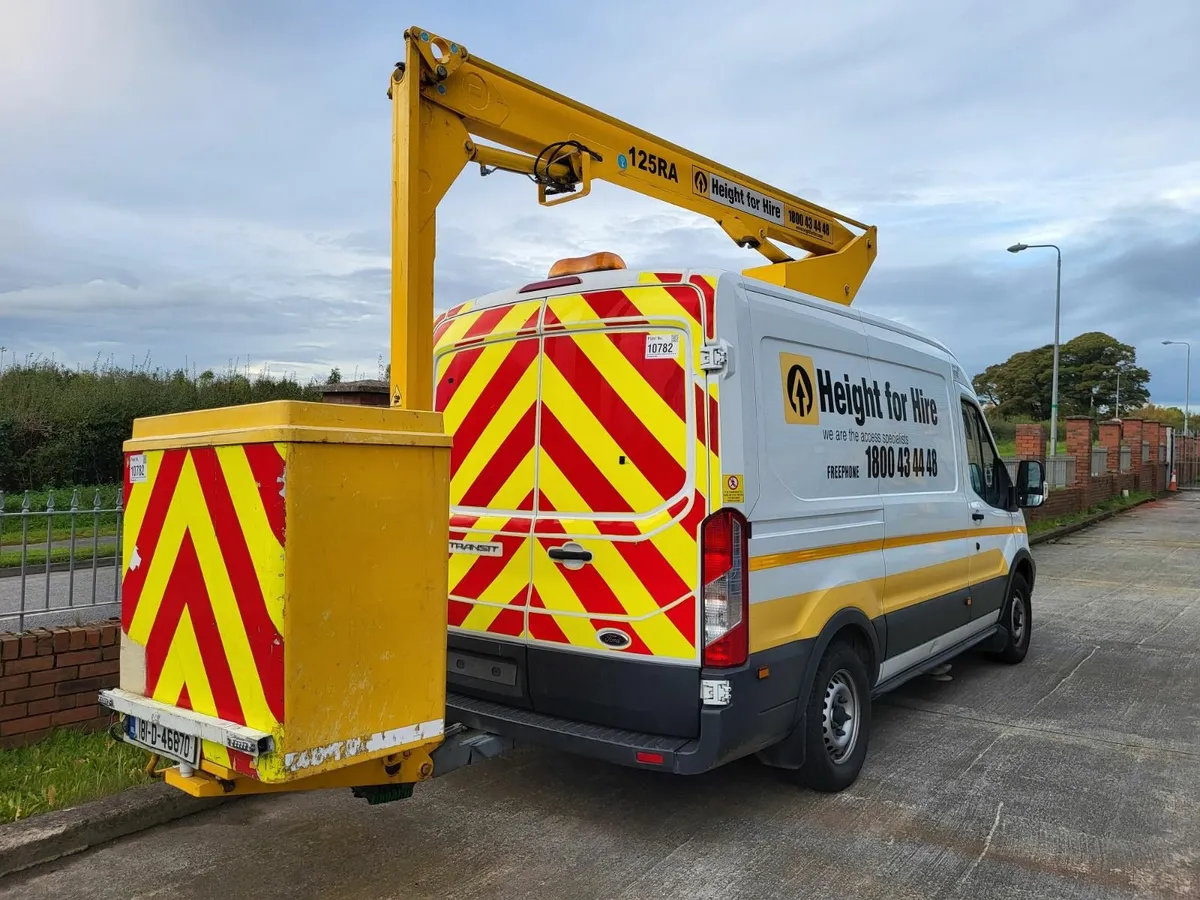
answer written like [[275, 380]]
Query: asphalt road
[[54, 607], [1073, 775]]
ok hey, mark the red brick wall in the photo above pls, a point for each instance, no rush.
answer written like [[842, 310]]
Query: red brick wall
[[1082, 496], [1031, 442], [1079, 445], [1131, 431], [1110, 437], [50, 678]]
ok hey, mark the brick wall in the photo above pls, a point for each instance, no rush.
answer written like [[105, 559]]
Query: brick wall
[[50, 678], [1079, 445], [1110, 437], [1083, 496], [1031, 442]]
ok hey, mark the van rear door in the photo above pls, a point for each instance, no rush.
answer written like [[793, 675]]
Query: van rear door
[[486, 386], [584, 443], [620, 497], [622, 469]]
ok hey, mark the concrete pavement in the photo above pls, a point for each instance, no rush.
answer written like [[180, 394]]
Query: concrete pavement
[[1073, 775]]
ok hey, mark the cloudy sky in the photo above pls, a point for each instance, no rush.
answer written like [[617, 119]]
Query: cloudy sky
[[208, 181]]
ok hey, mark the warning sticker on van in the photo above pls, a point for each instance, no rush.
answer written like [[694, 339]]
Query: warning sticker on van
[[662, 346]]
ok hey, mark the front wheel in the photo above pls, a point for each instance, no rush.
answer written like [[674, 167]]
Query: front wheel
[[838, 721], [1017, 618]]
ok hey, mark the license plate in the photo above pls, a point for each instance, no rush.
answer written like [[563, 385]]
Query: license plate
[[160, 739]]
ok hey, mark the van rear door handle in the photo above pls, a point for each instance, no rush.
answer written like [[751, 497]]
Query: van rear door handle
[[564, 554], [977, 516]]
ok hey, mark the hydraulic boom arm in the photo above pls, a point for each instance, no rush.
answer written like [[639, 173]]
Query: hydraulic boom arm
[[442, 98]]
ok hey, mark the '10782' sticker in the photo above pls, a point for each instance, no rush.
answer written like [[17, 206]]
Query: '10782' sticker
[[662, 346]]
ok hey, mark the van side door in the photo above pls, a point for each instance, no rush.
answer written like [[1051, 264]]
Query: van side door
[[991, 517]]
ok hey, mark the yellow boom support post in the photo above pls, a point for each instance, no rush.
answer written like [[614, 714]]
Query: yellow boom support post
[[443, 98]]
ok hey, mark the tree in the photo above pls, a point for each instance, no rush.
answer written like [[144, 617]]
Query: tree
[[335, 376], [1168, 415], [1020, 386], [1088, 365], [1088, 368]]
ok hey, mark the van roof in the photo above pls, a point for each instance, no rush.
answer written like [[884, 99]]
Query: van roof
[[622, 278]]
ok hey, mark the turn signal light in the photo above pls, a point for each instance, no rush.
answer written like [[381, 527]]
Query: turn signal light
[[593, 262]]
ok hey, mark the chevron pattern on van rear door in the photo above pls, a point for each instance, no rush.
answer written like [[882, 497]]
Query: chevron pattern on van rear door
[[603, 454]]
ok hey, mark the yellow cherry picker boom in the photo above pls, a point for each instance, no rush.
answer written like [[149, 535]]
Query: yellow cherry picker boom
[[284, 594]]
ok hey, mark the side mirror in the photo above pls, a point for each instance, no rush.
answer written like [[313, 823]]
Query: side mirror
[[1031, 483]]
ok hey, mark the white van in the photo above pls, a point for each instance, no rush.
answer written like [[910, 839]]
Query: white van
[[696, 517]]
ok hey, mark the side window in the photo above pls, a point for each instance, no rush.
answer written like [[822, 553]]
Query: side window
[[988, 474]]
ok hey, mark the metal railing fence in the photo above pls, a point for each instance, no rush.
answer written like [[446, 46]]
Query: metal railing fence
[[60, 563]]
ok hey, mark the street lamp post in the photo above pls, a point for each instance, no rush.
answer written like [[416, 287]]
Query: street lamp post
[[1017, 248], [1187, 396]]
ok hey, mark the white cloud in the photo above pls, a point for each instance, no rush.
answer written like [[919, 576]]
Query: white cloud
[[212, 182]]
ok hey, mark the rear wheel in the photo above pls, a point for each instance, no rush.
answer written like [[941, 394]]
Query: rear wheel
[[1017, 618], [838, 720]]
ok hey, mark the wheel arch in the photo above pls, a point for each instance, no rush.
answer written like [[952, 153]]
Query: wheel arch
[[1024, 566], [848, 622]]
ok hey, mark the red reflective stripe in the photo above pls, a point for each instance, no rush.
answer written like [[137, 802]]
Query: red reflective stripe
[[145, 542], [669, 277], [511, 620], [588, 585], [242, 763], [266, 464], [683, 617], [485, 569], [710, 306], [508, 456], [457, 612], [452, 375], [491, 398], [485, 322], [542, 626], [186, 589], [653, 460], [266, 644], [612, 305], [688, 299], [588, 480], [714, 427], [645, 559], [701, 415], [664, 376]]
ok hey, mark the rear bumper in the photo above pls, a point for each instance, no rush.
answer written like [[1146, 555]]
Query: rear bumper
[[761, 712]]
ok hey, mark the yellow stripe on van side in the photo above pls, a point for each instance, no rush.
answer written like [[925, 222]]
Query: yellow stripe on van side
[[799, 616], [794, 557]]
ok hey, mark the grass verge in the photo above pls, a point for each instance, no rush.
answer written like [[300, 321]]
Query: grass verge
[[85, 519], [64, 769], [35, 557], [1041, 526]]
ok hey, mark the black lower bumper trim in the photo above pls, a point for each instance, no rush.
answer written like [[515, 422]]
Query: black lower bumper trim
[[762, 712]]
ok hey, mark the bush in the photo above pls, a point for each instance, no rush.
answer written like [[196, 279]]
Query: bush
[[62, 427]]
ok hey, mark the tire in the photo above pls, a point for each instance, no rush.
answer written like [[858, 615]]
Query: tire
[[835, 752], [1017, 617]]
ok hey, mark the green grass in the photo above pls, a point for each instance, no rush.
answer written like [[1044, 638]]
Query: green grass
[[1116, 503], [1008, 448], [64, 769], [36, 556]]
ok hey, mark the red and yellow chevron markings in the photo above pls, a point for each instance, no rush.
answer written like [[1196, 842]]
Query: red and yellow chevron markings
[[523, 482], [203, 586]]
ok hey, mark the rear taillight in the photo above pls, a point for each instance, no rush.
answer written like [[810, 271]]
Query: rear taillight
[[723, 541]]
